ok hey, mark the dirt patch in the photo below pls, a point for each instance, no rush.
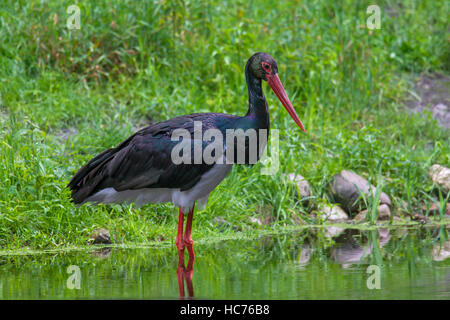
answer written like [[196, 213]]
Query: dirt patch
[[66, 133], [3, 115], [432, 92]]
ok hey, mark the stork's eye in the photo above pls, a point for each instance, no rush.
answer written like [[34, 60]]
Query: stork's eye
[[266, 66]]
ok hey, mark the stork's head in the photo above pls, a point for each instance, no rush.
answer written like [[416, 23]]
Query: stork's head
[[263, 66]]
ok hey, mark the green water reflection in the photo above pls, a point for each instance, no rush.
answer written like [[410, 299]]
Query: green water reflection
[[323, 263]]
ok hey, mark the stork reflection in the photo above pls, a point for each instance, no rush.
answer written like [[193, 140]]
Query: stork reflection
[[185, 274]]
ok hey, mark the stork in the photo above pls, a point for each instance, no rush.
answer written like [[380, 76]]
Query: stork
[[142, 169]]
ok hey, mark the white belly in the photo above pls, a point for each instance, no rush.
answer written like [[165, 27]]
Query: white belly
[[184, 199]]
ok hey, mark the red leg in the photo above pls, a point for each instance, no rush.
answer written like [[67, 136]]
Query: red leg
[[179, 241], [180, 247], [189, 271], [180, 278], [188, 238]]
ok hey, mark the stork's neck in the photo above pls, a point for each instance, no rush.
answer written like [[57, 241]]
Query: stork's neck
[[257, 104]]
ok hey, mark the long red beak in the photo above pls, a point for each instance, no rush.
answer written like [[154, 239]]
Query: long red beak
[[275, 83]]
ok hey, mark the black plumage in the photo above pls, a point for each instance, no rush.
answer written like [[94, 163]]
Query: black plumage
[[144, 160]]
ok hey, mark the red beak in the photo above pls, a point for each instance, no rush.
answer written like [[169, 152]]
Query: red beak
[[275, 83]]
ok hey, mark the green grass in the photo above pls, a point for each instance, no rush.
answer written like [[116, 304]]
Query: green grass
[[67, 95]]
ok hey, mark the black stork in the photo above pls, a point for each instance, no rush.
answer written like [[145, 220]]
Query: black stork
[[141, 169]]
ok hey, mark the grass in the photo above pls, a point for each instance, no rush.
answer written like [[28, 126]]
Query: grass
[[66, 95]]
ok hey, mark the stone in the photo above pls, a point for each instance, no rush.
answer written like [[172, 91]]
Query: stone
[[360, 216], [384, 213], [256, 221], [305, 255], [100, 236], [102, 253], [434, 209], [303, 189], [440, 175], [333, 232], [334, 213], [346, 187], [440, 253], [432, 94]]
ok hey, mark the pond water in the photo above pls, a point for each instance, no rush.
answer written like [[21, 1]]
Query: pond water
[[315, 263]]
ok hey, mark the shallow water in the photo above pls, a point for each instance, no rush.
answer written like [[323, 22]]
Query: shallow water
[[319, 263]]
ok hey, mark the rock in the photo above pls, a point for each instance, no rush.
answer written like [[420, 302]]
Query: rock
[[434, 209], [102, 253], [332, 232], [384, 235], [305, 255], [100, 236], [440, 175], [360, 216], [441, 253], [222, 224], [334, 213], [344, 188], [303, 188], [441, 111], [431, 93], [348, 253], [384, 213], [256, 221]]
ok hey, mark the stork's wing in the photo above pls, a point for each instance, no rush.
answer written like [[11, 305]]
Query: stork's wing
[[141, 161]]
